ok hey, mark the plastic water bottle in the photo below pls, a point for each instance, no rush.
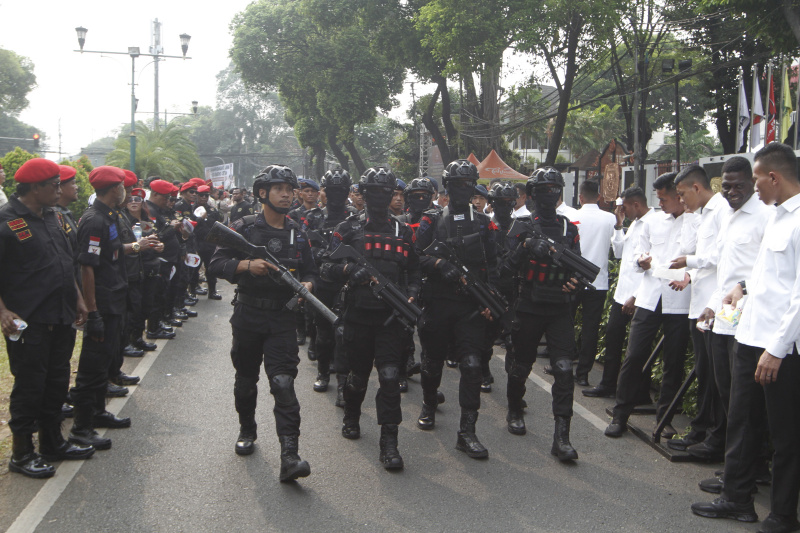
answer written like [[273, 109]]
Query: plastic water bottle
[[137, 231]]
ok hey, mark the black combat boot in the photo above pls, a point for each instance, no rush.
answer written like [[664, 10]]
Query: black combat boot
[[427, 418], [341, 381], [292, 467], [516, 421], [350, 426], [312, 345], [53, 447], [390, 457], [27, 462], [561, 445], [247, 436], [321, 385], [467, 440], [83, 433]]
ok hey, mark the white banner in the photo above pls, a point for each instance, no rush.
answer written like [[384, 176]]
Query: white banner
[[220, 175]]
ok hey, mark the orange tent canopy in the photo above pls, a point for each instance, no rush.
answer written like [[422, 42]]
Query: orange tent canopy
[[472, 159], [493, 167]]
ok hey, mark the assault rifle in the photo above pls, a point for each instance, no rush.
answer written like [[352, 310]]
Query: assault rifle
[[222, 235], [581, 268], [405, 312]]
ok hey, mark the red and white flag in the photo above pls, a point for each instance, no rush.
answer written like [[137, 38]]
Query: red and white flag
[[756, 130], [771, 113]]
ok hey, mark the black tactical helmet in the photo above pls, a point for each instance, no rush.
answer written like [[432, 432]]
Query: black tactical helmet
[[461, 170], [336, 178], [503, 191], [423, 184], [377, 177], [274, 174], [544, 176]]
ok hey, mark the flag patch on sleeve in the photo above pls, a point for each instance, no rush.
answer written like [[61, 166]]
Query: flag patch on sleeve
[[94, 245], [24, 234], [17, 224]]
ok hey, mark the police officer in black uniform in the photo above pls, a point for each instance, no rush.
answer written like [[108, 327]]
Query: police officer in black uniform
[[159, 321], [204, 225], [336, 184], [306, 201], [240, 207], [543, 308], [370, 336], [38, 286], [451, 315], [263, 330], [183, 212]]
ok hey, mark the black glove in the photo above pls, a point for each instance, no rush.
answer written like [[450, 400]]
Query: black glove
[[450, 272], [94, 325], [359, 276], [538, 248]]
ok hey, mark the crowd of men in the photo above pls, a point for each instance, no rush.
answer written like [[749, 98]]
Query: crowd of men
[[467, 268]]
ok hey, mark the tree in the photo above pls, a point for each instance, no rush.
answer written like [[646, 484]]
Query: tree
[[776, 22], [693, 146], [591, 129], [10, 163], [167, 152], [83, 167], [16, 81]]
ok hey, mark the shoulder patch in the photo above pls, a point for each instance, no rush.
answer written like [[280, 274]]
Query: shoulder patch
[[24, 235], [17, 224]]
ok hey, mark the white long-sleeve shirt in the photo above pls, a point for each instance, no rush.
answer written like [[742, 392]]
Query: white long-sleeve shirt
[[739, 241], [596, 228], [771, 315], [702, 265], [624, 246], [566, 211], [521, 212], [662, 236]]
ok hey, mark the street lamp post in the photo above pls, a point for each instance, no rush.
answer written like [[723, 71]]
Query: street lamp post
[[192, 114], [667, 65], [134, 52]]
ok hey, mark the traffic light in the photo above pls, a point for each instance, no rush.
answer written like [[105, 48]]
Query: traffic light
[[35, 141]]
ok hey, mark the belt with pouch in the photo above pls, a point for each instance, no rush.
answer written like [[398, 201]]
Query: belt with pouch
[[265, 304]]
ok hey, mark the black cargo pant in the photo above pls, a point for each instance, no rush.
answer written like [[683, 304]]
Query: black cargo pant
[[592, 303], [39, 362], [153, 289], [206, 252], [710, 420], [328, 346], [616, 333], [93, 366]]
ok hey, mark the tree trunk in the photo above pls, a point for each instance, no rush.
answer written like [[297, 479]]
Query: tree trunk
[[490, 85], [357, 161], [319, 160], [792, 17], [433, 128], [337, 151], [468, 125], [447, 108]]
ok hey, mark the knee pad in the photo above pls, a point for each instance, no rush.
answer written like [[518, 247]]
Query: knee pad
[[388, 375], [562, 370], [355, 383], [470, 365], [282, 388], [245, 387]]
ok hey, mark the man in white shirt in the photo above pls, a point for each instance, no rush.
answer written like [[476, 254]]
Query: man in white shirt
[[706, 439], [766, 338], [634, 206], [520, 209], [658, 304], [595, 227], [566, 211]]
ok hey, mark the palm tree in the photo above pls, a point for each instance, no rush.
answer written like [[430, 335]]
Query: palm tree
[[167, 152]]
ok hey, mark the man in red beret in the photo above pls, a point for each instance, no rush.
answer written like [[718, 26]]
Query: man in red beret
[[38, 288], [185, 275], [160, 321], [69, 193], [204, 225]]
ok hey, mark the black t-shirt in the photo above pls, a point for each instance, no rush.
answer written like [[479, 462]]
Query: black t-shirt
[[240, 210], [166, 233], [100, 246], [37, 278]]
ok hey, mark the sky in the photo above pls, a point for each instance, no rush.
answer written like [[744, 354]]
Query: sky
[[89, 94]]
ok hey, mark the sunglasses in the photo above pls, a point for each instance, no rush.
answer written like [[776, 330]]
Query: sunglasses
[[136, 199]]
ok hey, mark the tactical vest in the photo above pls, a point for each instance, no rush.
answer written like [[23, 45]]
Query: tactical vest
[[462, 233], [542, 280], [282, 243]]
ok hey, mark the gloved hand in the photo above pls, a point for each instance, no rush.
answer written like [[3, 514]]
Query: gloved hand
[[359, 276], [95, 327], [538, 248], [450, 272]]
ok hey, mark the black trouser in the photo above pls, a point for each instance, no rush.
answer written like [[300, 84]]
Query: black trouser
[[164, 297], [381, 346], [178, 285], [153, 295], [39, 362], [644, 328], [205, 254], [93, 366], [276, 348], [747, 424], [560, 334], [493, 331], [722, 365], [327, 344], [710, 418], [134, 325], [592, 303], [783, 413], [616, 333], [446, 324]]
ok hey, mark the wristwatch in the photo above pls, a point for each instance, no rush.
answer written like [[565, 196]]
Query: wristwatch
[[744, 287], [136, 247]]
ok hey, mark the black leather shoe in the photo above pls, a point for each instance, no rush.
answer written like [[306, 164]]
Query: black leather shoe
[[548, 370], [132, 351], [389, 455], [427, 418], [292, 467], [245, 442], [712, 485], [89, 437], [115, 391], [160, 334], [350, 426], [109, 420], [668, 432], [616, 428], [403, 384], [67, 411], [200, 290], [144, 345], [312, 351], [190, 301], [321, 385], [214, 296], [440, 397], [702, 450], [173, 323], [486, 384], [516, 422], [32, 465], [779, 524], [189, 313], [301, 339], [684, 442], [599, 391], [124, 380], [562, 448], [467, 441], [451, 364], [66, 452], [582, 381], [722, 508], [166, 327], [177, 314]]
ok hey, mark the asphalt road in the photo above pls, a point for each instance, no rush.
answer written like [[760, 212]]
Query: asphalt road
[[175, 469]]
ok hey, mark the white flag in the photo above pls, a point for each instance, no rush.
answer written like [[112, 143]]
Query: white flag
[[744, 115], [756, 134]]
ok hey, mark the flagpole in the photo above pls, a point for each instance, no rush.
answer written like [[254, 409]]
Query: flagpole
[[779, 114], [753, 107], [766, 109], [738, 108], [797, 109]]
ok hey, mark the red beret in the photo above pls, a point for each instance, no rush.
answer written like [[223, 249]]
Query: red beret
[[197, 181], [37, 170], [188, 185], [174, 193], [139, 192], [106, 176], [67, 172], [204, 188], [162, 187], [130, 178]]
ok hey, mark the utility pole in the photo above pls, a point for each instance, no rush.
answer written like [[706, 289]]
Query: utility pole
[[636, 174], [156, 49], [59, 138]]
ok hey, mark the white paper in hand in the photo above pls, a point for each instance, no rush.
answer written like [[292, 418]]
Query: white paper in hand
[[669, 274]]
